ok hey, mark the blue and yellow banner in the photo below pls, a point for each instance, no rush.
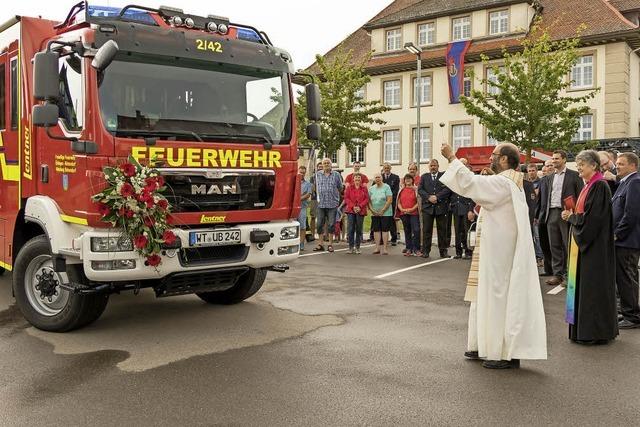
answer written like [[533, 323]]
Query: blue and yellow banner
[[456, 52]]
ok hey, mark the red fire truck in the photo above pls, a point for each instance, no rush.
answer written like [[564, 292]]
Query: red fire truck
[[208, 101]]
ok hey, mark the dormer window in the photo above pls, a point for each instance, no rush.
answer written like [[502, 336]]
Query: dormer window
[[461, 28], [499, 22], [427, 34], [394, 39]]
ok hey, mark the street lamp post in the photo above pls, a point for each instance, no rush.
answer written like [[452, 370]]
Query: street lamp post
[[417, 50]]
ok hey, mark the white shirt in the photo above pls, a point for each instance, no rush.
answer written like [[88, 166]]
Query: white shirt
[[556, 191]]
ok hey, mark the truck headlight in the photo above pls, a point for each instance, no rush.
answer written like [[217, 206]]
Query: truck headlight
[[288, 233], [111, 244], [119, 264]]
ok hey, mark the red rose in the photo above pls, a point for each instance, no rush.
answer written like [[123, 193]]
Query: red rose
[[169, 237], [128, 213], [150, 203], [154, 260], [145, 196], [121, 211], [160, 181], [140, 241], [128, 169], [127, 190], [163, 204], [104, 209], [148, 221]]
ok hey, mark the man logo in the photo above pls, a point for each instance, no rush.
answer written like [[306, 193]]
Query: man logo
[[204, 189]]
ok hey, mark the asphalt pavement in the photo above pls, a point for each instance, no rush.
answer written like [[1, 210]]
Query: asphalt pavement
[[340, 339]]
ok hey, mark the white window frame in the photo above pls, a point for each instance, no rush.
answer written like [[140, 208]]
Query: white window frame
[[583, 72], [493, 77], [425, 141], [391, 146], [427, 34], [426, 86], [499, 18], [462, 136], [461, 28], [393, 39], [360, 155], [585, 133], [393, 92], [361, 93], [467, 80]]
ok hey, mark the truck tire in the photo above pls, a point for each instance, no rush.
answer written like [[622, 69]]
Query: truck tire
[[44, 304], [246, 286]]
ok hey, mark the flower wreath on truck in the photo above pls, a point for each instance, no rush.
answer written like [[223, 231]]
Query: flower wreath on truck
[[133, 202]]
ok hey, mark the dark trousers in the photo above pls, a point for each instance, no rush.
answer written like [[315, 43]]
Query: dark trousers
[[558, 231], [546, 248], [461, 226], [627, 282], [394, 225], [411, 225], [354, 229], [449, 216], [427, 231]]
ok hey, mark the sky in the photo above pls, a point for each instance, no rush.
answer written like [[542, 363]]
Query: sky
[[304, 28]]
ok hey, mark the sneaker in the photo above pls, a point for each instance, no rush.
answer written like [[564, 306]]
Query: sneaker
[[358, 251], [625, 324], [350, 251], [417, 253]]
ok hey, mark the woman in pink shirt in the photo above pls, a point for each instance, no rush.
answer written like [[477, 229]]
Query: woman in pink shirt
[[408, 208], [356, 199]]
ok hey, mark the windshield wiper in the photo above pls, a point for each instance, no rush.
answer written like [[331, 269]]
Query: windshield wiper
[[159, 133], [266, 140]]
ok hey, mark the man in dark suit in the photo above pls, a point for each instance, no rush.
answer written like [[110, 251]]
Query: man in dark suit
[[564, 183], [435, 203], [540, 216], [461, 208], [626, 223], [393, 181]]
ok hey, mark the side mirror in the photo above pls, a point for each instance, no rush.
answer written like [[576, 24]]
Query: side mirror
[[104, 55], [313, 131], [45, 115], [314, 109], [46, 84]]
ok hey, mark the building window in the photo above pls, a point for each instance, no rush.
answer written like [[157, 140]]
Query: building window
[[422, 88], [467, 85], [357, 155], [582, 73], [499, 22], [360, 93], [461, 136], [392, 93], [462, 28], [492, 77], [425, 144], [585, 128], [427, 34], [391, 146], [394, 39]]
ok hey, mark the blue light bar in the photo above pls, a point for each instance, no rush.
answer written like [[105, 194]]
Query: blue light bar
[[249, 35], [112, 12]]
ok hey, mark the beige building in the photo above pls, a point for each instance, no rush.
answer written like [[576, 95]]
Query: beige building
[[607, 61]]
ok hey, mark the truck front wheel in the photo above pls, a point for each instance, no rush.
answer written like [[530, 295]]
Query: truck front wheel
[[247, 285], [41, 300]]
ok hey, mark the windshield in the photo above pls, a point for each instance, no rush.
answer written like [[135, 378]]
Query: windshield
[[160, 96]]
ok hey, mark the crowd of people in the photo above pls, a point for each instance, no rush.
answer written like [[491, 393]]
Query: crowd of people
[[584, 226]]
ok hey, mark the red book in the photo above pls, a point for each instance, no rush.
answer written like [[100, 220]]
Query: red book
[[569, 203]]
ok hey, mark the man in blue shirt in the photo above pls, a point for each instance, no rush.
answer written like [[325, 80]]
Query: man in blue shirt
[[328, 187], [305, 196]]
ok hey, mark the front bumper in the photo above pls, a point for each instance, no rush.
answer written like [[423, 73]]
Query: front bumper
[[248, 254]]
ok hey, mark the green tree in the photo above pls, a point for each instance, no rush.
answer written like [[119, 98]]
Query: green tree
[[525, 105], [346, 117]]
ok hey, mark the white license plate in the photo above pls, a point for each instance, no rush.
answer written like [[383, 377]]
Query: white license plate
[[214, 238]]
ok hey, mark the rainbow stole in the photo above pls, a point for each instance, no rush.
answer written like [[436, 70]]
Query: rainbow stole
[[572, 276]]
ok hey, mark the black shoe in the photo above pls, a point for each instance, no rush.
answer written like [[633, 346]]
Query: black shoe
[[501, 364], [457, 256], [473, 355], [625, 324], [425, 255], [444, 254], [394, 243], [467, 257]]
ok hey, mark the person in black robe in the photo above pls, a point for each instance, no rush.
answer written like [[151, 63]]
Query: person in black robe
[[591, 292]]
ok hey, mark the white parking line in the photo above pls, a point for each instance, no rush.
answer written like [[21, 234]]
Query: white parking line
[[337, 250], [556, 290], [382, 276]]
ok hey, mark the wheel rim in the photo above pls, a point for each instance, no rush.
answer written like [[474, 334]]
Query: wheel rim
[[41, 286]]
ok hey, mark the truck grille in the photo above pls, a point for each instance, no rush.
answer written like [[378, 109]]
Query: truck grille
[[214, 190], [198, 281], [190, 257]]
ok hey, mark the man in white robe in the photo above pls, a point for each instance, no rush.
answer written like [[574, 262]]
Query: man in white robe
[[506, 319]]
